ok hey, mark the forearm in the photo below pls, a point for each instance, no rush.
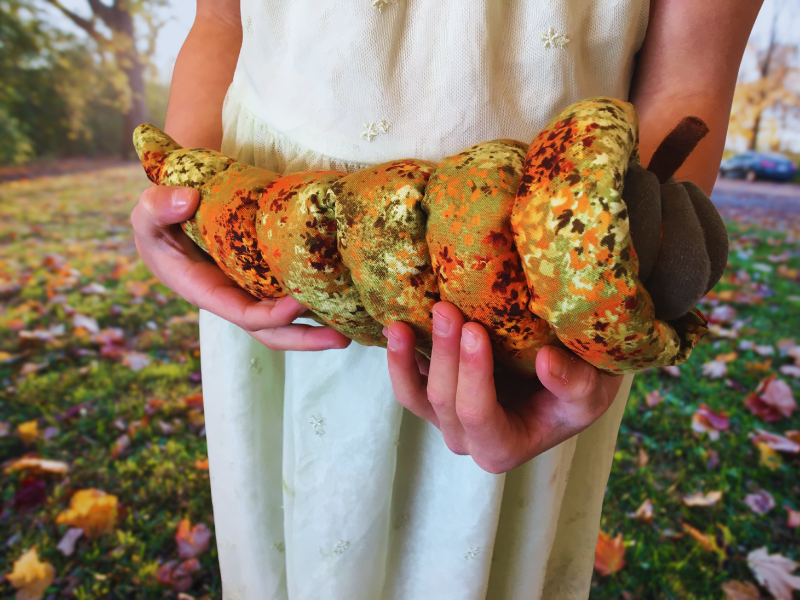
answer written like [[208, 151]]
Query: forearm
[[688, 65], [203, 71]]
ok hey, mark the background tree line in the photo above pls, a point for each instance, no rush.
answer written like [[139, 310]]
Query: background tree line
[[64, 94]]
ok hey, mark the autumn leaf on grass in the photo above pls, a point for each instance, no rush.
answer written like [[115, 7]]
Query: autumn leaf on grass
[[28, 431], [201, 465], [30, 576], [737, 590], [672, 371], [715, 369], [609, 556], [701, 499], [92, 510], [67, 544], [37, 466], [32, 492], [722, 313], [192, 541], [706, 542], [774, 572], [705, 420], [768, 457], [653, 399], [761, 502], [121, 445], [776, 442], [178, 574], [772, 401], [644, 513], [135, 360], [792, 517]]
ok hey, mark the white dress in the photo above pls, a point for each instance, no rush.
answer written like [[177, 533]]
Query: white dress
[[323, 487]]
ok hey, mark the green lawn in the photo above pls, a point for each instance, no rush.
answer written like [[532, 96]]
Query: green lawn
[[104, 358]]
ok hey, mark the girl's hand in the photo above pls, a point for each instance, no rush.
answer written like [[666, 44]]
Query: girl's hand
[[501, 424], [189, 272]]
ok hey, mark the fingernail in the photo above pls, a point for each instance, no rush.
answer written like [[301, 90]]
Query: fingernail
[[469, 341], [441, 325], [393, 342], [385, 332], [558, 364], [178, 199]]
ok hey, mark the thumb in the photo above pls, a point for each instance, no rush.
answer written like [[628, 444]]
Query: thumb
[[571, 379], [168, 205]]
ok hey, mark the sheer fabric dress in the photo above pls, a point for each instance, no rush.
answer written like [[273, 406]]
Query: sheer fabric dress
[[324, 488]]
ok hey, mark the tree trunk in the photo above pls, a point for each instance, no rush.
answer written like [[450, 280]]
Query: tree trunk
[[131, 64], [756, 127]]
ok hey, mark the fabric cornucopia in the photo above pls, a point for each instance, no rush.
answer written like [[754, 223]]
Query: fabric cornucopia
[[567, 241]]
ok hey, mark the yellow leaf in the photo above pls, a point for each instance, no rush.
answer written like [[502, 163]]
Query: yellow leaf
[[609, 556], [92, 510], [30, 576], [769, 457], [28, 431]]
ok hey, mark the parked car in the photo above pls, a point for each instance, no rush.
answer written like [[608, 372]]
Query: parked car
[[752, 165]]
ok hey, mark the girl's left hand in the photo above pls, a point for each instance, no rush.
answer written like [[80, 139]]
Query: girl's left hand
[[501, 424]]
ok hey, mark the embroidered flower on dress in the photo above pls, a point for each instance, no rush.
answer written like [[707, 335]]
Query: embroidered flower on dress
[[552, 39], [381, 4], [255, 365], [472, 553], [370, 132], [383, 126], [341, 546], [316, 425]]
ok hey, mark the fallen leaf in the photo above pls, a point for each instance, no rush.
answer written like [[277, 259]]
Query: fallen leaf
[[94, 288], [761, 502], [737, 590], [726, 358], [653, 399], [92, 510], [201, 464], [705, 420], [32, 492], [67, 544], [643, 459], [706, 542], [773, 571], [764, 350], [673, 371], [713, 459], [772, 400], [701, 499], [790, 370], [715, 369], [5, 428], [86, 322], [192, 541], [178, 575], [645, 512], [135, 360], [764, 366], [29, 368], [121, 445], [28, 431], [768, 457], [609, 555], [785, 345], [37, 466], [30, 576], [722, 313], [775, 441], [792, 517]]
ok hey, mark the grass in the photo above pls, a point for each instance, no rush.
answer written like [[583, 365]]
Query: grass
[[62, 237]]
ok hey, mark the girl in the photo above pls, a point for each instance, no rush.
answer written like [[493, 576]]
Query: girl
[[323, 486]]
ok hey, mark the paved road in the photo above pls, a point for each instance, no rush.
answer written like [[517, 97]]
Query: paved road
[[763, 196]]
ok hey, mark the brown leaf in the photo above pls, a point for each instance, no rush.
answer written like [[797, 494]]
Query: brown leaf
[[609, 555], [202, 465], [773, 571], [706, 542], [643, 459], [92, 510], [736, 590], [30, 576], [192, 541]]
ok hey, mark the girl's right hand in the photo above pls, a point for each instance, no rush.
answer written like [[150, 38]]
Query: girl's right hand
[[185, 269]]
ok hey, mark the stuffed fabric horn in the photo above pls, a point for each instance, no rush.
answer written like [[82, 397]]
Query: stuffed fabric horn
[[535, 243]]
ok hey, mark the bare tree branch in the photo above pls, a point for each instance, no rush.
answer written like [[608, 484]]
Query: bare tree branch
[[85, 24]]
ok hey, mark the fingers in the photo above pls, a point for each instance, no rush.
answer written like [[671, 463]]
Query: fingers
[[408, 383], [491, 433], [180, 265], [443, 374]]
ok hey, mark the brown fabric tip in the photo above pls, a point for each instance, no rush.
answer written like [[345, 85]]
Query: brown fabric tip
[[676, 147]]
